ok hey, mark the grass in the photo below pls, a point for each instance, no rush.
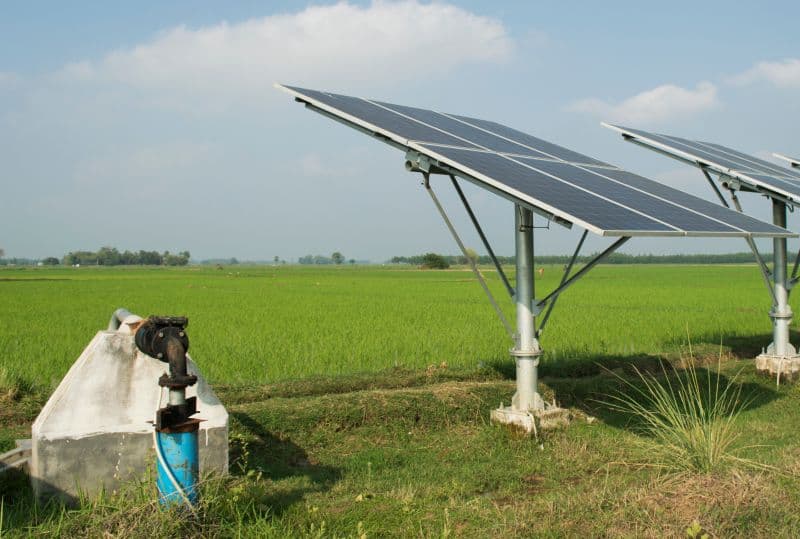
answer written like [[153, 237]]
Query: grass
[[688, 419], [360, 405], [268, 324]]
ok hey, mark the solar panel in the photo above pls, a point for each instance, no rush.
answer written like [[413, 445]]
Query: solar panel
[[555, 180], [791, 160], [754, 173]]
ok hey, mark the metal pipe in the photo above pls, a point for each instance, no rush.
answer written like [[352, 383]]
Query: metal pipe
[[714, 187], [117, 317], [796, 265], [527, 351], [471, 262], [765, 273], [485, 241], [781, 313], [546, 316], [614, 246]]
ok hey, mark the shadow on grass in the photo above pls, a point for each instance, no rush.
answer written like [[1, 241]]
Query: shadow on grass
[[279, 459], [591, 395], [587, 383], [740, 346], [585, 366]]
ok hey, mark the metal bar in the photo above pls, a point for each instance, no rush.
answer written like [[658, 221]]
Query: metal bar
[[471, 262], [483, 236], [526, 352], [614, 246], [781, 313], [714, 187], [765, 273], [796, 265], [550, 306]]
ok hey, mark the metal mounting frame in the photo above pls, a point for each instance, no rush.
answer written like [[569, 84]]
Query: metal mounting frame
[[526, 350], [778, 282]]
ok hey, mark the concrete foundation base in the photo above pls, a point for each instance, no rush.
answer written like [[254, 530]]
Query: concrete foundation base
[[96, 431], [787, 366], [532, 421]]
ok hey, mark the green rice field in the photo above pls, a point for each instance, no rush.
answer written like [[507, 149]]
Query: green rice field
[[267, 324], [359, 401]]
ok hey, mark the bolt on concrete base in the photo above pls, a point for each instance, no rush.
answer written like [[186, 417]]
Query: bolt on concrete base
[[788, 367], [546, 418]]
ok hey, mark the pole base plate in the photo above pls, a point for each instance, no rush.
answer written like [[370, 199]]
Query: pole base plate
[[787, 367], [551, 417]]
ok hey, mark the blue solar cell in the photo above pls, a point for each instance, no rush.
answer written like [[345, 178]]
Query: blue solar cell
[[759, 164], [539, 173], [548, 148], [714, 211], [464, 131], [766, 175], [382, 118], [597, 211], [623, 193]]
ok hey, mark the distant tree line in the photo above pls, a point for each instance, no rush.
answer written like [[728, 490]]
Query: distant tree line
[[615, 258], [336, 258], [111, 256]]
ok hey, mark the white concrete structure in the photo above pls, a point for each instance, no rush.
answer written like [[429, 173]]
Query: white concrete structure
[[96, 430]]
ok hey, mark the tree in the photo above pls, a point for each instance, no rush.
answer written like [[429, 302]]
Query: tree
[[50, 261], [472, 255], [434, 261], [2, 253], [337, 257], [276, 260]]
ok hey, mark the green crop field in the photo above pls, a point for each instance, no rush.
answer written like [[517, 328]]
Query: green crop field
[[360, 396], [268, 324]]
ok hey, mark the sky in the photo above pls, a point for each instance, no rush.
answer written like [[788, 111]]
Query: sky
[[155, 125]]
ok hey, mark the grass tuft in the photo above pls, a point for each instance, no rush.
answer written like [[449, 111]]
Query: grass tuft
[[687, 417]]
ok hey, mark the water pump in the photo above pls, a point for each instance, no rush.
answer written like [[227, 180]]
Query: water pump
[[175, 436]]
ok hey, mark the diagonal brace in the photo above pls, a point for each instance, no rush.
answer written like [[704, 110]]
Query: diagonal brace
[[762, 265], [564, 277], [471, 262], [581, 272], [485, 241], [765, 272]]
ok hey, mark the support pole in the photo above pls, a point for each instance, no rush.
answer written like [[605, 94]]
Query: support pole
[[528, 410], [782, 312], [780, 358], [526, 352]]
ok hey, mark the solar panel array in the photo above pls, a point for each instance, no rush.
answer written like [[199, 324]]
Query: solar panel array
[[792, 161], [579, 189], [749, 169]]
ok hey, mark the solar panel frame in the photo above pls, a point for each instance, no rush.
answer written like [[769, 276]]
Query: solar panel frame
[[791, 160], [762, 181], [332, 104]]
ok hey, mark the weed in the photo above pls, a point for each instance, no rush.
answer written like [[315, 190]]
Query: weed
[[687, 416]]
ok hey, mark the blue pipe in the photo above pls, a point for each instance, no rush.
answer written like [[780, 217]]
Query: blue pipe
[[179, 452]]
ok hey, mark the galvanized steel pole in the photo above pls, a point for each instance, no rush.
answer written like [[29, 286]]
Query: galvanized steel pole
[[527, 351], [781, 312]]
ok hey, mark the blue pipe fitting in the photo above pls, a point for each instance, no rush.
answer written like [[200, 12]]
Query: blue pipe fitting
[[177, 482]]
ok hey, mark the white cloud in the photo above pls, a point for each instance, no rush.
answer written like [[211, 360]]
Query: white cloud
[[336, 45], [783, 74], [653, 106]]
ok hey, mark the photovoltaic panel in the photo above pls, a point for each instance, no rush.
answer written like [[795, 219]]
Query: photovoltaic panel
[[548, 148], [751, 171], [555, 180]]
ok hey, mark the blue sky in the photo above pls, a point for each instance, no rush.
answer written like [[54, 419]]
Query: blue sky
[[155, 125]]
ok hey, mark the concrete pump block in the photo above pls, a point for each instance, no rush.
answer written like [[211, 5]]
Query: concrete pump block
[[96, 431]]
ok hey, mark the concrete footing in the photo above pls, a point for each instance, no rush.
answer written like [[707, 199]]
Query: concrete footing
[[96, 431], [532, 421], [788, 367]]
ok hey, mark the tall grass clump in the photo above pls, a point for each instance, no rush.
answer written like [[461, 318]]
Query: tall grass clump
[[687, 419]]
